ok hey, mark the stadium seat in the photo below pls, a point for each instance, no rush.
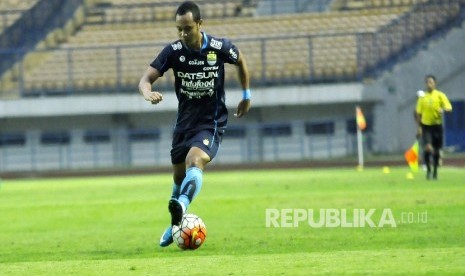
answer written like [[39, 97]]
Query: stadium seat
[[279, 47], [12, 10]]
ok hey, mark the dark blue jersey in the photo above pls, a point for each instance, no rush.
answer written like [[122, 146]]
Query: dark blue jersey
[[199, 81]]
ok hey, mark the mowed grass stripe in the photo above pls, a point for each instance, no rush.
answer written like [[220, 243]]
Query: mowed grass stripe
[[437, 261], [78, 225]]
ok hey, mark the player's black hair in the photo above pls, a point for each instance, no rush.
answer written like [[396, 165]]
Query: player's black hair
[[430, 76], [189, 6]]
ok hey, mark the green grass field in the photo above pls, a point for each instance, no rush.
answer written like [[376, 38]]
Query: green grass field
[[111, 225]]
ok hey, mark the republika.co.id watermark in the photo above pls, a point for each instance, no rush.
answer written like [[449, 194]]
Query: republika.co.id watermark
[[342, 218]]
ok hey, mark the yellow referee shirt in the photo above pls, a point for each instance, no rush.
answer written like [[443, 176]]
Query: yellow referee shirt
[[430, 107]]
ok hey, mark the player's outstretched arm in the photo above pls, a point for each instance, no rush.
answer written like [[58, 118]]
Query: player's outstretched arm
[[145, 86], [244, 78]]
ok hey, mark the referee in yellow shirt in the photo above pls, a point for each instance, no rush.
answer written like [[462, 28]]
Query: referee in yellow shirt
[[429, 111]]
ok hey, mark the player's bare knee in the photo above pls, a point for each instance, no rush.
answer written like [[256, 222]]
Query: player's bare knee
[[195, 161]]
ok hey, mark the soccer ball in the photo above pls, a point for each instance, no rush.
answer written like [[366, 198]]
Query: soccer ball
[[191, 234]]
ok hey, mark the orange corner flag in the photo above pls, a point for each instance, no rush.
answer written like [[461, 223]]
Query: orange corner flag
[[361, 123], [411, 156]]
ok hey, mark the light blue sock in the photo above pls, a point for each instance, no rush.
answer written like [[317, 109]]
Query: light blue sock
[[191, 185], [176, 191]]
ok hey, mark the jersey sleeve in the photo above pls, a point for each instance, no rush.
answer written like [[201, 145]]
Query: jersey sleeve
[[418, 108], [445, 103], [162, 62], [229, 52]]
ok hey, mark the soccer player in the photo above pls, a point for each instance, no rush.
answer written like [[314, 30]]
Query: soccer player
[[197, 60], [430, 109]]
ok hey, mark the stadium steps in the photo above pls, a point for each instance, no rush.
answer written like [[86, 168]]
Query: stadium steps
[[30, 62], [11, 10], [236, 28], [334, 54], [293, 64], [126, 11]]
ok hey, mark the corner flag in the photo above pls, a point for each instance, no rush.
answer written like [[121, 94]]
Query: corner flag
[[361, 123], [411, 156]]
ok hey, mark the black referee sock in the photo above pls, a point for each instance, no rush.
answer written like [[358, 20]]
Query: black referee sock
[[426, 156], [435, 164]]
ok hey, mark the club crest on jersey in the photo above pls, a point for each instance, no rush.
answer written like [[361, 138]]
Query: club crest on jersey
[[211, 58], [182, 59]]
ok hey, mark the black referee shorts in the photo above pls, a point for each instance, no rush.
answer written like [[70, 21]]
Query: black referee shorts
[[432, 135]]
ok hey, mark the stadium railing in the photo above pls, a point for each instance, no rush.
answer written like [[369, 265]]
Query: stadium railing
[[35, 150]]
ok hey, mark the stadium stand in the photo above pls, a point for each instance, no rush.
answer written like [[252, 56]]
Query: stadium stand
[[131, 44], [44, 25], [343, 44], [118, 11], [11, 11]]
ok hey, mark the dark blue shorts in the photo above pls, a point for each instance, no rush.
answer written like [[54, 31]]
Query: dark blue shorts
[[208, 140]]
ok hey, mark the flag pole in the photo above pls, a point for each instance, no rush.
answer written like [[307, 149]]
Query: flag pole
[[360, 125], [360, 147]]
